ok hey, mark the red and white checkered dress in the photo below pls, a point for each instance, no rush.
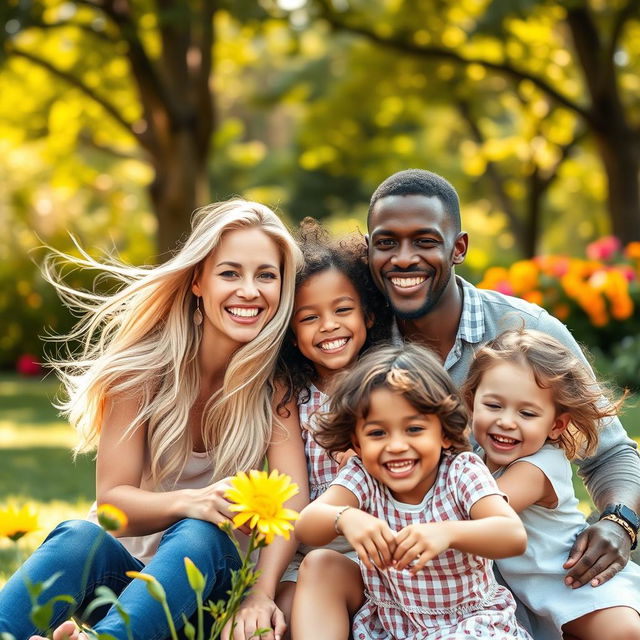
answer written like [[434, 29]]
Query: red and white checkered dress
[[456, 596], [321, 466]]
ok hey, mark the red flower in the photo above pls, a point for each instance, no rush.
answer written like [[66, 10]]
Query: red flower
[[28, 365]]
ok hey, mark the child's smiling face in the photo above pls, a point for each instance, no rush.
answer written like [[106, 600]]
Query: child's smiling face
[[328, 321], [399, 446], [512, 416]]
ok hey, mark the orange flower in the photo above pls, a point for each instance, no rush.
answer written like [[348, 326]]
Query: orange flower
[[534, 297], [561, 311], [632, 251], [523, 276]]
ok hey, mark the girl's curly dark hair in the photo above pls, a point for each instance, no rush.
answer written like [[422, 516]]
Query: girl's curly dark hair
[[348, 255]]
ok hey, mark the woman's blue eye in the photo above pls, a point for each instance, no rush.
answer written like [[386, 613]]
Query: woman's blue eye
[[268, 275], [229, 274]]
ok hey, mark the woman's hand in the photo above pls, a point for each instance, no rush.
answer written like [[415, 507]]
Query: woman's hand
[[371, 538], [209, 503], [598, 553], [420, 543], [257, 611]]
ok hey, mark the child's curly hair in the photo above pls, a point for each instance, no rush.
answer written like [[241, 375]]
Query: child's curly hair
[[575, 391], [409, 369], [347, 255]]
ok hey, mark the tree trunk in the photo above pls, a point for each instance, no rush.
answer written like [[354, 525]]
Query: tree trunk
[[617, 140], [620, 154], [179, 187]]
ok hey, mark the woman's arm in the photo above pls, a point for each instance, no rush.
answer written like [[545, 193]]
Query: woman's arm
[[495, 531], [258, 610], [119, 469]]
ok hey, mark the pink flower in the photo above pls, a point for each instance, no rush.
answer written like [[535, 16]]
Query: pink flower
[[603, 248], [504, 287], [28, 365]]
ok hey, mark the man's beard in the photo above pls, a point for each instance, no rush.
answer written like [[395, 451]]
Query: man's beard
[[431, 301]]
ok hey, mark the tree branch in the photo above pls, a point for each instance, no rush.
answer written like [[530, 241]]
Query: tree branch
[[449, 54], [78, 84], [631, 9], [77, 25]]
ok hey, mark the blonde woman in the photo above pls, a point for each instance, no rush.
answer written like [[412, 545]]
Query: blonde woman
[[173, 387]]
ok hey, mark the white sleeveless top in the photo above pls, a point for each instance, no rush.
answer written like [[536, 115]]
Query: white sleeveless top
[[196, 474]]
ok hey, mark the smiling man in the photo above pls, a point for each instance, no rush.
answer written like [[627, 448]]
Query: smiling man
[[415, 242]]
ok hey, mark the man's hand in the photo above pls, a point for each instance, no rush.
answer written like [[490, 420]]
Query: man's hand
[[598, 553]]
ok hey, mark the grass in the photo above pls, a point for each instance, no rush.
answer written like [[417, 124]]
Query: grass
[[37, 467], [36, 464]]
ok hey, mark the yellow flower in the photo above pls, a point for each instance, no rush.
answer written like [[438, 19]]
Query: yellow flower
[[259, 500], [15, 523], [153, 586], [111, 518]]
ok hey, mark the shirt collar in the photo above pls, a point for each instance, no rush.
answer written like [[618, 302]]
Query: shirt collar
[[471, 327]]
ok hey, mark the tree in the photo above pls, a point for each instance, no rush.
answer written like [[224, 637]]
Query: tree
[[167, 49], [581, 55]]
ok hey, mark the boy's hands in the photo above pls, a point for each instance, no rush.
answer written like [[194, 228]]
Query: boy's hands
[[372, 538], [420, 543]]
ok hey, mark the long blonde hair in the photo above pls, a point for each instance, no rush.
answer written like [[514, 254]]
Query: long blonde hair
[[141, 341]]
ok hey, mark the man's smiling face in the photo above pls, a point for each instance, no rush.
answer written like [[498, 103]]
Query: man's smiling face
[[412, 249]]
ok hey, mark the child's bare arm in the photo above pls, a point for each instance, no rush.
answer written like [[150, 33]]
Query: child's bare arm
[[495, 531], [371, 538], [526, 485]]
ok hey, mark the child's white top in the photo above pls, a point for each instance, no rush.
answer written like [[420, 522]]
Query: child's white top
[[196, 474], [537, 576], [456, 596]]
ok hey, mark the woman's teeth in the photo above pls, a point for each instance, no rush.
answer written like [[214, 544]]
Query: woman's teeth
[[243, 312]]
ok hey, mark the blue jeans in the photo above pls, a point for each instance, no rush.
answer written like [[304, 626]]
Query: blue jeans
[[66, 549]]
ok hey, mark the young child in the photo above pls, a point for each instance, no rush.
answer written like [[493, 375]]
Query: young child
[[332, 323], [422, 512], [534, 405]]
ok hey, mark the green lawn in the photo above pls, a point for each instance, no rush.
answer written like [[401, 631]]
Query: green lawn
[[36, 464], [37, 467]]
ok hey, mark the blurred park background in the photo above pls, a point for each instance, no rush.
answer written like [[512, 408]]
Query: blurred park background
[[119, 117]]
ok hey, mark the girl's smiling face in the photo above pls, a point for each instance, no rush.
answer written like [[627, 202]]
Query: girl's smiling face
[[328, 321], [399, 446], [512, 416]]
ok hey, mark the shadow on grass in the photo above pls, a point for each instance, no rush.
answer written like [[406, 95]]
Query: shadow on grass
[[46, 473]]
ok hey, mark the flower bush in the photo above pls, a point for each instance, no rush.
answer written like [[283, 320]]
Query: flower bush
[[597, 296]]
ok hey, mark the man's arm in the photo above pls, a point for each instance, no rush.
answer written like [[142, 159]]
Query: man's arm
[[611, 476]]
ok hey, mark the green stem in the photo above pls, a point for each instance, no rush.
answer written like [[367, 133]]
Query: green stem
[[167, 613], [89, 561], [200, 616]]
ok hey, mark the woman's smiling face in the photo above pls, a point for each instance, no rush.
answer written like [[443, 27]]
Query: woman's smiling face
[[240, 285]]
